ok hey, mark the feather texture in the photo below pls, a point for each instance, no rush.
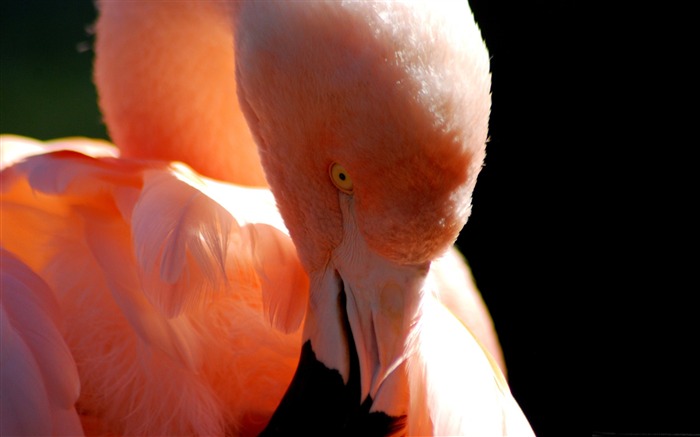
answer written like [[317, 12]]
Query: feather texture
[[477, 403], [260, 236], [39, 377], [182, 254], [150, 270], [457, 291], [284, 284], [15, 148]]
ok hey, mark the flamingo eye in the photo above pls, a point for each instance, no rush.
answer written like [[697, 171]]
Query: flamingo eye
[[340, 178]]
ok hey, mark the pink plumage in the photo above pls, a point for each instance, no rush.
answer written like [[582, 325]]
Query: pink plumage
[[39, 379], [160, 350], [171, 296]]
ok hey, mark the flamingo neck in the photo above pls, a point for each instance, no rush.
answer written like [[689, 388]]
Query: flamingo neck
[[166, 80]]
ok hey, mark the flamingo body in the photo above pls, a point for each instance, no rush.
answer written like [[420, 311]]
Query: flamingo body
[[180, 295]]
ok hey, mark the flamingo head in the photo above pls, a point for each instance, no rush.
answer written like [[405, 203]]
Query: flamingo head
[[371, 120], [395, 93]]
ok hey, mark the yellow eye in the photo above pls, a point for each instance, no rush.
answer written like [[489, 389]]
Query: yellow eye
[[340, 178]]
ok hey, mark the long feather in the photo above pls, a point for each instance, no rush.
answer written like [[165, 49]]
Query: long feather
[[39, 377], [109, 240], [261, 247], [454, 383], [181, 237], [457, 291], [284, 282], [96, 187], [15, 148]]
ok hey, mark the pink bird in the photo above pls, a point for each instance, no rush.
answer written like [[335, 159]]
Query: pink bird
[[171, 298]]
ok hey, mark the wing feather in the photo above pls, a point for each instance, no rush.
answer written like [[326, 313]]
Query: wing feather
[[109, 241], [181, 239], [15, 148], [261, 247], [40, 383], [284, 282], [456, 388], [153, 264]]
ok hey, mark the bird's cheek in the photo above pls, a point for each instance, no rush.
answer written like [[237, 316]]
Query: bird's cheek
[[406, 239], [411, 226]]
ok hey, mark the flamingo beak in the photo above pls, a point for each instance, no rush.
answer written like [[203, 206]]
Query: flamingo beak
[[351, 377]]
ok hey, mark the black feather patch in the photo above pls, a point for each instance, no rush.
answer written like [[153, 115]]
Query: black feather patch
[[317, 401]]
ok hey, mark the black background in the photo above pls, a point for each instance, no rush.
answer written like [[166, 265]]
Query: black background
[[583, 235]]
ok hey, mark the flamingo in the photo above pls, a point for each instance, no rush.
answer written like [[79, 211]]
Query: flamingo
[[182, 300]]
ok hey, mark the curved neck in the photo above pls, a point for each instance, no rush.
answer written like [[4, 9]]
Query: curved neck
[[165, 76]]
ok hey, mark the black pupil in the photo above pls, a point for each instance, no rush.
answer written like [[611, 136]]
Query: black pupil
[[341, 176]]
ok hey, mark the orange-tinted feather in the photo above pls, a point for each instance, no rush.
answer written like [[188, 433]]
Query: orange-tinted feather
[[175, 352]]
